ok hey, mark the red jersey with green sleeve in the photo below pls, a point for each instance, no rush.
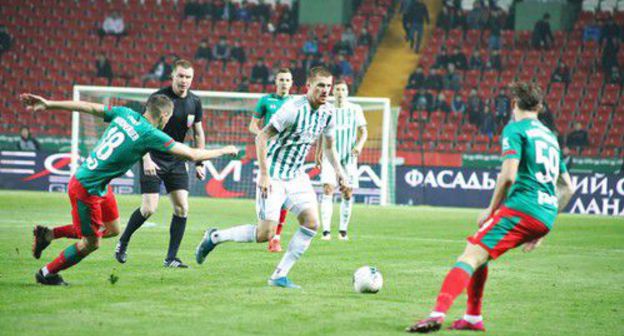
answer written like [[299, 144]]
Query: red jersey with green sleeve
[[541, 162], [123, 143]]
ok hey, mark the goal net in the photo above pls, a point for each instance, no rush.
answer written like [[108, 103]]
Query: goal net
[[226, 117]]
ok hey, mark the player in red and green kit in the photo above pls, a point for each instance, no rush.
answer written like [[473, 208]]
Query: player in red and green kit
[[265, 109], [94, 209], [532, 187]]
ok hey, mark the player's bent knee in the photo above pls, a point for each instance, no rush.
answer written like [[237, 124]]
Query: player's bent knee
[[148, 210], [180, 210], [91, 244]]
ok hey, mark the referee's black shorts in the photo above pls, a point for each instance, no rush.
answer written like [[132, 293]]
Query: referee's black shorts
[[174, 175]]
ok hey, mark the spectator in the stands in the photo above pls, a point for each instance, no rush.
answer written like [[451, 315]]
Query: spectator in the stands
[[242, 11], [415, 17], [221, 50], [260, 72], [542, 37], [615, 76], [477, 17], [592, 31], [476, 61], [561, 74], [502, 107], [494, 62], [578, 138], [610, 30], [310, 46], [346, 69], [237, 53], [203, 51], [348, 37], [325, 45], [342, 48], [459, 59], [217, 10], [365, 38], [113, 25], [441, 105], [192, 9], [422, 101], [495, 25], [452, 80], [27, 141], [417, 79], [445, 19], [610, 54], [5, 40], [243, 85], [458, 106], [285, 24], [442, 59], [299, 73], [488, 122], [434, 81], [159, 71], [474, 107], [262, 12], [103, 68]]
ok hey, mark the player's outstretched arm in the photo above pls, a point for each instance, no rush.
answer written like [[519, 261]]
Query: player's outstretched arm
[[565, 190], [38, 103], [196, 154], [332, 157], [505, 179], [262, 138]]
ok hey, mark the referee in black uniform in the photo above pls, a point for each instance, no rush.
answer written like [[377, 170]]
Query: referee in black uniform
[[157, 167]]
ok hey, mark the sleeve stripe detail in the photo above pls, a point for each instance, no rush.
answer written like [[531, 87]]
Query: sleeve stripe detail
[[510, 152], [169, 143]]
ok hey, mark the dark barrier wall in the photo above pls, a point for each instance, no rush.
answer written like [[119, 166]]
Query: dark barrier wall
[[599, 194]]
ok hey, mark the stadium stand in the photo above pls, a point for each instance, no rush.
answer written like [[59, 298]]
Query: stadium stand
[[588, 98], [55, 45]]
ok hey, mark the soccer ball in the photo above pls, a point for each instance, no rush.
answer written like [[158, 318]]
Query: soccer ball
[[367, 279]]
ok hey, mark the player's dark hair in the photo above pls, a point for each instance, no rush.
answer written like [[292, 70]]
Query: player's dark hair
[[529, 96], [341, 81], [283, 70], [182, 63], [318, 71], [158, 104]]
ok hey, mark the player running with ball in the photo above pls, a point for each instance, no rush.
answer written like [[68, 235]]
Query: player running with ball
[[291, 133], [532, 187], [350, 137], [94, 208], [266, 108]]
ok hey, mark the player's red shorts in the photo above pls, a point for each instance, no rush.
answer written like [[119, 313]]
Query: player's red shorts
[[90, 212], [507, 229]]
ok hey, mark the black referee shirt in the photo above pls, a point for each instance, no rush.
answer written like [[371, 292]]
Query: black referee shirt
[[186, 112]]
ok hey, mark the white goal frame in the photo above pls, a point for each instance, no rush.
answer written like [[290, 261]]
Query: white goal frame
[[385, 136]]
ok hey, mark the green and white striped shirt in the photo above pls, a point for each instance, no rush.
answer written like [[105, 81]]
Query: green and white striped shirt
[[299, 127], [348, 119]]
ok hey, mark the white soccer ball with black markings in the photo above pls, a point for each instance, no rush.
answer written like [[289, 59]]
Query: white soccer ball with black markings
[[367, 279]]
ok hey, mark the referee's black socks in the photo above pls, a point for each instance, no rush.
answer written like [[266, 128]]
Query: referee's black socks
[[176, 232], [135, 222]]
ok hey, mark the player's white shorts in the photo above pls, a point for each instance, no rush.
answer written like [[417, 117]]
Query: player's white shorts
[[296, 194], [328, 175]]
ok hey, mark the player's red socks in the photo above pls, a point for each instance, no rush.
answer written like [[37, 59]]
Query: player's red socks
[[454, 284], [67, 231], [68, 258], [475, 290], [282, 219]]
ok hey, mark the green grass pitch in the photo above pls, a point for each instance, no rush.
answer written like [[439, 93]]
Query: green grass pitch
[[572, 284]]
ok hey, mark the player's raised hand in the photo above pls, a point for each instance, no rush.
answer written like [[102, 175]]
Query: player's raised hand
[[33, 102], [264, 185], [150, 168]]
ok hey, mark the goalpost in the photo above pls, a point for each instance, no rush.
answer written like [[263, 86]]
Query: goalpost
[[226, 116]]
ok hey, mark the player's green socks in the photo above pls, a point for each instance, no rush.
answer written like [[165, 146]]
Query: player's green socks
[[299, 243], [68, 258]]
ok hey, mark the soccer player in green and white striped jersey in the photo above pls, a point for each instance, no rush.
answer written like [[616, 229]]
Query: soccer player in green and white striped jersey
[[281, 179], [350, 135], [267, 106]]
